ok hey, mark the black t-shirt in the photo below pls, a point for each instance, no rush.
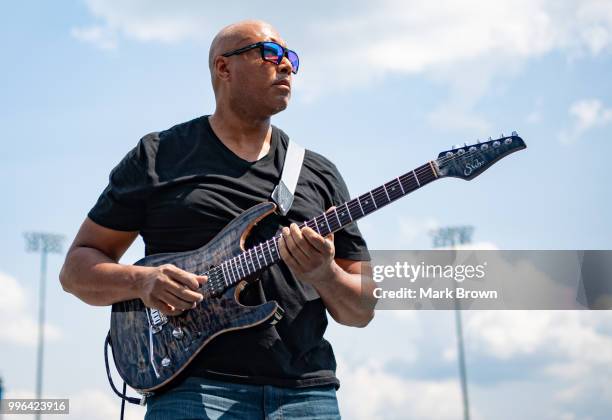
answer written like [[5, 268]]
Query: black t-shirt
[[180, 187]]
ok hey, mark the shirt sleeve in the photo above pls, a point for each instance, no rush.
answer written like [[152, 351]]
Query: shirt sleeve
[[122, 204], [349, 242]]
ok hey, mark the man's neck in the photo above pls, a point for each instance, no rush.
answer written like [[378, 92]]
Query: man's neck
[[248, 138]]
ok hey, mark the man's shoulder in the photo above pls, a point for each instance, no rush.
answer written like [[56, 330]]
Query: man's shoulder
[[182, 130], [170, 137]]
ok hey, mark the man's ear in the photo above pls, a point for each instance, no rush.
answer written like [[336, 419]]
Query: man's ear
[[221, 68]]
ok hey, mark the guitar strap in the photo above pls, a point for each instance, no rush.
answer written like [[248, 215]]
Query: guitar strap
[[284, 192]]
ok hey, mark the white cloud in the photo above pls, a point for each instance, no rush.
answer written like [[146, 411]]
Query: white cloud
[[585, 114], [580, 353], [370, 392], [466, 45], [18, 325]]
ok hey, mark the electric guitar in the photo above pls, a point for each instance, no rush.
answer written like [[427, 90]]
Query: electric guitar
[[150, 349]]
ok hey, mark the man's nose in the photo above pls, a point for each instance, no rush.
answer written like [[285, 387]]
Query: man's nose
[[285, 66]]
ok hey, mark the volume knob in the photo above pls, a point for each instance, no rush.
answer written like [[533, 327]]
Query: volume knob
[[178, 333]]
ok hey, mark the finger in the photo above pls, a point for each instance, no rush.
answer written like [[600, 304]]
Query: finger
[[329, 239], [182, 292], [174, 301], [286, 253], [164, 307], [302, 244], [181, 276], [292, 245], [314, 239]]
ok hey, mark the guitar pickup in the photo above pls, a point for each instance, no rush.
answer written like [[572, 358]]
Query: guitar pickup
[[156, 319]]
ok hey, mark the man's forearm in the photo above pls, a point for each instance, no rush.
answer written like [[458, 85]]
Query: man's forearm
[[97, 279], [348, 297]]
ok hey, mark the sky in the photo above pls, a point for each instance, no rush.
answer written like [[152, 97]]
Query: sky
[[383, 87]]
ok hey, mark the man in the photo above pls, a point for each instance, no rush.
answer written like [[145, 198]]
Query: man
[[178, 188]]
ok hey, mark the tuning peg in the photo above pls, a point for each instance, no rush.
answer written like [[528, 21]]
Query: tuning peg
[[478, 141], [490, 138], [514, 133], [501, 135]]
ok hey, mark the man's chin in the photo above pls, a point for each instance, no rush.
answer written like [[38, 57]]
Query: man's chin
[[280, 105]]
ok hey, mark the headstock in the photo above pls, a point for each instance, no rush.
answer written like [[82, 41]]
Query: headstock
[[469, 161]]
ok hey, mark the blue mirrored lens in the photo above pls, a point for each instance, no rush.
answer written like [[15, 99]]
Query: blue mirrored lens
[[295, 61], [272, 52]]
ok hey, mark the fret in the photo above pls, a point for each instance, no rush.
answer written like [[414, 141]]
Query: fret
[[373, 200], [348, 211], [345, 216], [270, 251], [246, 263], [366, 202], [401, 186], [337, 217], [416, 179], [247, 257], [274, 248], [320, 226], [312, 223], [433, 169], [326, 221], [405, 183], [263, 254], [234, 269], [359, 201], [386, 192], [254, 250], [393, 190], [378, 192], [239, 265]]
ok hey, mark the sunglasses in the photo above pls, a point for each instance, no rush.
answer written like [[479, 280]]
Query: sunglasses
[[272, 52]]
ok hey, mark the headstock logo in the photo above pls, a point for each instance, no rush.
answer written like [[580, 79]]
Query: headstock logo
[[470, 167]]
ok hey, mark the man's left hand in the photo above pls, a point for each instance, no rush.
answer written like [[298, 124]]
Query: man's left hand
[[308, 255]]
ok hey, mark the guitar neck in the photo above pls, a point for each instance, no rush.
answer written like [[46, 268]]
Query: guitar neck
[[266, 253]]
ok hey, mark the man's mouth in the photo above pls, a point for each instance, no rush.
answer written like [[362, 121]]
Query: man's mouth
[[283, 82]]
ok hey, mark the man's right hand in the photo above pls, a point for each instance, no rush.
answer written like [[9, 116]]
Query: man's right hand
[[170, 289]]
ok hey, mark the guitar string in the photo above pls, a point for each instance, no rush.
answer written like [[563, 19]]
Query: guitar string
[[235, 263]]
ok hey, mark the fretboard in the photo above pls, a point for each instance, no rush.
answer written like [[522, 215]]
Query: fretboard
[[267, 253]]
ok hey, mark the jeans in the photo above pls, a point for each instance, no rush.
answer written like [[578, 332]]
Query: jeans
[[201, 398]]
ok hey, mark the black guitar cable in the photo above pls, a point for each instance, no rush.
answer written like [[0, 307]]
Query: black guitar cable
[[123, 396]]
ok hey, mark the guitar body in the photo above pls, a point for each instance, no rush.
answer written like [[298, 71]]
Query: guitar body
[[150, 349]]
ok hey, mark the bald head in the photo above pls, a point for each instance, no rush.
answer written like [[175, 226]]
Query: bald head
[[238, 35]]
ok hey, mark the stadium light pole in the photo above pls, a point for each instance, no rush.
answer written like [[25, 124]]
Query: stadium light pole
[[452, 236], [45, 243]]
